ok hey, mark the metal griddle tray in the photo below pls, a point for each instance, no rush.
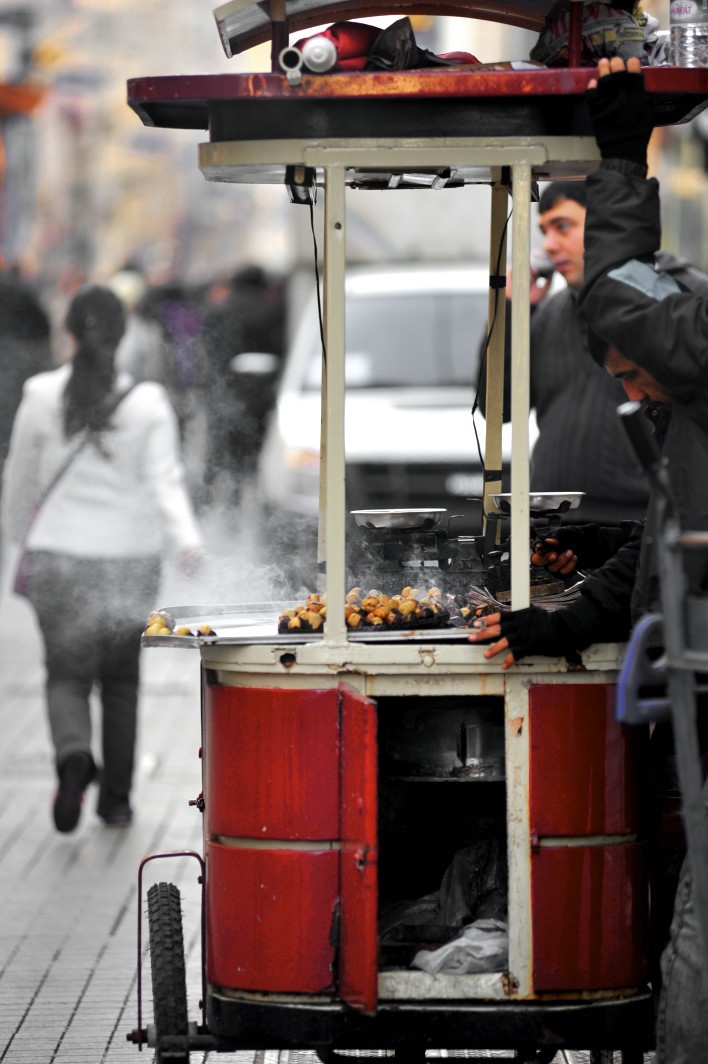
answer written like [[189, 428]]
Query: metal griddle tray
[[256, 623]]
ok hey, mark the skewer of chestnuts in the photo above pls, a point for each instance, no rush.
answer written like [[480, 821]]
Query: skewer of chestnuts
[[412, 608]]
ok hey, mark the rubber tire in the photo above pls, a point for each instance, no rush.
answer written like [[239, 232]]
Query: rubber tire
[[169, 980]]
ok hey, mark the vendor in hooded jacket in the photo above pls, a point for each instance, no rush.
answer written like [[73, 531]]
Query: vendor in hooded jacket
[[654, 339], [649, 321]]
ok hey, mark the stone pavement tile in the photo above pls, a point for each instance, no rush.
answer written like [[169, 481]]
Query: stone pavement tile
[[35, 1053]]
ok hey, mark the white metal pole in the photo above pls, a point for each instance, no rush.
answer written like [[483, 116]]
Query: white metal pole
[[520, 391], [332, 467]]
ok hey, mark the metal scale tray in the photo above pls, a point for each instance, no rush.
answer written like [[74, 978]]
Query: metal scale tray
[[254, 624]]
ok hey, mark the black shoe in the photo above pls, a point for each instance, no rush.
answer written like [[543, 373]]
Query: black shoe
[[119, 818], [114, 811], [74, 777]]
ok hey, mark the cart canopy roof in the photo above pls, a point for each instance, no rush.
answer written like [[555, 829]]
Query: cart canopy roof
[[242, 24]]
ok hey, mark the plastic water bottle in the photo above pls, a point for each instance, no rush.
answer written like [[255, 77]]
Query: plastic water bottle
[[319, 54], [688, 26]]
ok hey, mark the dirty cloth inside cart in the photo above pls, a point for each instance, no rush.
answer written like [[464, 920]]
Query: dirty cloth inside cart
[[483, 946], [473, 890]]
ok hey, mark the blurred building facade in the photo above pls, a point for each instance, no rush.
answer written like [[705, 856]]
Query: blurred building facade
[[87, 188]]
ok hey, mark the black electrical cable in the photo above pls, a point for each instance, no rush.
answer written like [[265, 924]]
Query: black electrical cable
[[320, 314]]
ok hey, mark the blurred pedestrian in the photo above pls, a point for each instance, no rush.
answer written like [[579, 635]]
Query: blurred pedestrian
[[140, 349], [25, 347], [251, 319], [94, 491], [165, 348]]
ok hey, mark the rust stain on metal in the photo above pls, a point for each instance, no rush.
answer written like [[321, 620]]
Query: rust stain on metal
[[467, 82], [464, 82], [517, 724], [510, 983], [184, 101], [345, 666]]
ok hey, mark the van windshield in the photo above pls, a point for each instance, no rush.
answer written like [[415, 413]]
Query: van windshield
[[410, 340]]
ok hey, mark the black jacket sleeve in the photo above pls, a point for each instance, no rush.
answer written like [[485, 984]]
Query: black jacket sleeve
[[594, 544], [643, 313], [603, 612]]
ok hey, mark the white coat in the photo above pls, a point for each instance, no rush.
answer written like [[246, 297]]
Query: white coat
[[130, 502]]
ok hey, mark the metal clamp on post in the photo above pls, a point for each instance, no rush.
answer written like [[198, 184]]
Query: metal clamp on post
[[300, 181]]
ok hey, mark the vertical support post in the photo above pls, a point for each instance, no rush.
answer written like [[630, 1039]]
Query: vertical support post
[[332, 467], [496, 331], [520, 392], [516, 726], [279, 34], [575, 34]]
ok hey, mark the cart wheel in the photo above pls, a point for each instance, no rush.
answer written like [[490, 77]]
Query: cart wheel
[[169, 982]]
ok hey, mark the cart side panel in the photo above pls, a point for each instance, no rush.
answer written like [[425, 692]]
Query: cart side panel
[[588, 864], [590, 913], [271, 918], [585, 770], [358, 960], [271, 763]]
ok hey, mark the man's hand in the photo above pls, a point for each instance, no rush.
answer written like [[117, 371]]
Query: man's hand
[[490, 628], [621, 112], [522, 633], [539, 287], [547, 552], [605, 67]]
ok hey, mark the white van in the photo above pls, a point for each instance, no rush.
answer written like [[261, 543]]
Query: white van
[[412, 340]]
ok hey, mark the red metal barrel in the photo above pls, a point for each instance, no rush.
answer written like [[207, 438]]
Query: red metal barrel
[[290, 841], [588, 863], [271, 793]]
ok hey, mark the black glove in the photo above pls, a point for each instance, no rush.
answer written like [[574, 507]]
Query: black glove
[[395, 48], [622, 116], [536, 631]]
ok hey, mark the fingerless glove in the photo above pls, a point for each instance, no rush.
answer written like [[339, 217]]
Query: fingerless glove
[[622, 116], [536, 631]]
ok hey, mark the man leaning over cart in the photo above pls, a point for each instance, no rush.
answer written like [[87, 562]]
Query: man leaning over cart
[[657, 334]]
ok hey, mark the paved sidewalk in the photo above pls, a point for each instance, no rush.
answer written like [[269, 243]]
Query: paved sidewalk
[[69, 913]]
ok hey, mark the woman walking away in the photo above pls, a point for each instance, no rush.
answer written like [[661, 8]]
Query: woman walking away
[[94, 494]]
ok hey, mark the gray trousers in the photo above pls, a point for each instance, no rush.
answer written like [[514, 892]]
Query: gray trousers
[[91, 614], [682, 1020]]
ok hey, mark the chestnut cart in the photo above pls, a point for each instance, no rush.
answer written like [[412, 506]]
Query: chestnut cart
[[343, 771]]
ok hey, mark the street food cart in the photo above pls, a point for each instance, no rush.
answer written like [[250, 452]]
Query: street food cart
[[343, 769]]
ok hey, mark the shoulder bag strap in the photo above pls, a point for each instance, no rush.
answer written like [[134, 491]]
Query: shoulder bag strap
[[112, 407]]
